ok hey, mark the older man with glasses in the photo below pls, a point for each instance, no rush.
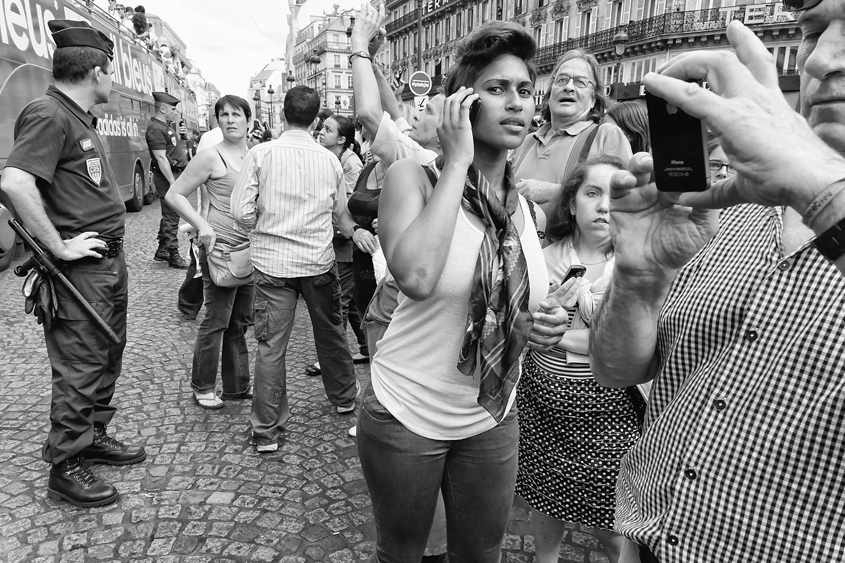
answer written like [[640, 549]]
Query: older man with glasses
[[572, 108], [738, 318]]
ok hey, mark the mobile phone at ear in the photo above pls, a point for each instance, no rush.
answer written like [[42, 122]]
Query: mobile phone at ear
[[474, 108], [678, 147], [575, 271]]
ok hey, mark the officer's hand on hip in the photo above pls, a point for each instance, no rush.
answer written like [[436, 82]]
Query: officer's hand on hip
[[81, 246]]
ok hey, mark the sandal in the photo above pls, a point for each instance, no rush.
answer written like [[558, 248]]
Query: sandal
[[209, 401]]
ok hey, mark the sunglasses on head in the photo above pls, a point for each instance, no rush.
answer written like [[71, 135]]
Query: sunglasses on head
[[800, 5]]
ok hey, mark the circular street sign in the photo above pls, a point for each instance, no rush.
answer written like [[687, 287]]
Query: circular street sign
[[420, 83]]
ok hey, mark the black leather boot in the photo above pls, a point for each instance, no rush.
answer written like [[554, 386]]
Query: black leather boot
[[106, 449], [71, 481], [176, 261], [162, 254]]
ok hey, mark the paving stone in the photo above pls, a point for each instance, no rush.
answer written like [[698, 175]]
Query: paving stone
[[203, 495]]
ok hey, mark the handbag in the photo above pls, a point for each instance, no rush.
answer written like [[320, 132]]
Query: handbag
[[230, 266]]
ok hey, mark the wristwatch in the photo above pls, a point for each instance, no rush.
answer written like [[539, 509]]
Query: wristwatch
[[354, 228], [831, 243]]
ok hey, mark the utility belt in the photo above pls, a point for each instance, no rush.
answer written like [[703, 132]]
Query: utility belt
[[114, 248]]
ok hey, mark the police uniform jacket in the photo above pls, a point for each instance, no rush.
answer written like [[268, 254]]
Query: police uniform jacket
[[161, 136], [57, 142]]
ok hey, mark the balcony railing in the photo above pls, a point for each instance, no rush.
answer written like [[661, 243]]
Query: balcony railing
[[401, 23], [668, 24]]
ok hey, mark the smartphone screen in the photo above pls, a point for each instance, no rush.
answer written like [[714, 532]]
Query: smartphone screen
[[678, 147]]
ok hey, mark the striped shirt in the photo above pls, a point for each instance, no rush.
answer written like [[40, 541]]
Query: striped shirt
[[742, 456], [288, 193]]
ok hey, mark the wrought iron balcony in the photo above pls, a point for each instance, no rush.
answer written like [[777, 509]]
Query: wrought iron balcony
[[403, 22]]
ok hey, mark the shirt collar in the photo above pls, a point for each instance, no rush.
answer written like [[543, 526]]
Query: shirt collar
[[572, 130], [84, 116], [299, 133], [165, 123]]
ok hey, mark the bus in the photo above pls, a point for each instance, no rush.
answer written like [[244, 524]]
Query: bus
[[26, 50]]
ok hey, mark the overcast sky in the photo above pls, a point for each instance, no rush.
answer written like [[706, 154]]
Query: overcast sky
[[231, 40]]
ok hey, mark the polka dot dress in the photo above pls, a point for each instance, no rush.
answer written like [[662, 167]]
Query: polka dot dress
[[572, 435]]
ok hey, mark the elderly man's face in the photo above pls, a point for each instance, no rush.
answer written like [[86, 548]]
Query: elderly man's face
[[821, 61]]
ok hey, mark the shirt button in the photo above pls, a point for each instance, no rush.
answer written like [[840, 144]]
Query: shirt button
[[751, 335], [719, 405], [784, 265], [691, 474], [672, 540]]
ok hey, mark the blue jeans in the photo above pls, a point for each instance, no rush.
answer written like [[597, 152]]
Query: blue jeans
[[405, 471], [228, 312], [275, 308]]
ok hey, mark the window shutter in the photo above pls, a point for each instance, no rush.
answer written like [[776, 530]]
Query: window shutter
[[594, 19], [661, 8], [608, 10], [626, 11], [578, 26], [640, 9]]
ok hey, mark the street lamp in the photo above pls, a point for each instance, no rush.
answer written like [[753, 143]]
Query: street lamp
[[314, 61], [620, 44], [351, 25], [270, 93], [257, 99]]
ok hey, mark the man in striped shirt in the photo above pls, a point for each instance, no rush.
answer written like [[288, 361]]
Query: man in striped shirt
[[289, 192], [738, 319]]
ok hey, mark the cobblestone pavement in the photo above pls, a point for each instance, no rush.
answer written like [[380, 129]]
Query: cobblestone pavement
[[202, 494]]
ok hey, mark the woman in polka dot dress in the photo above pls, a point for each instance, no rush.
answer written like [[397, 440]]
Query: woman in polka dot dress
[[573, 432]]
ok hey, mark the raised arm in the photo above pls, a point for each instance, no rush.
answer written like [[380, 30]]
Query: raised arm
[[653, 238], [415, 230], [365, 87]]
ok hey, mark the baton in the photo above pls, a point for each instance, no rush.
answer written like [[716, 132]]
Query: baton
[[44, 261]]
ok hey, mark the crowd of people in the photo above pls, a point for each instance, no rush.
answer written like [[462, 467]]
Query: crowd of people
[[663, 369]]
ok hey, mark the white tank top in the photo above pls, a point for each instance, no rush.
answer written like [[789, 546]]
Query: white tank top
[[414, 372]]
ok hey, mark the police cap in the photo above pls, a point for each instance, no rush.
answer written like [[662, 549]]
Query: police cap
[[69, 33], [165, 98]]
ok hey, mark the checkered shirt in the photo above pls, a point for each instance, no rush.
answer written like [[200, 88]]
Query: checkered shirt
[[742, 458]]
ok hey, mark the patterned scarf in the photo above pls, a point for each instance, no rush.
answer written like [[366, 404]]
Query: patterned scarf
[[498, 323]]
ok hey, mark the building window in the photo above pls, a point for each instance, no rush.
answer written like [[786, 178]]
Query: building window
[[337, 61], [337, 81], [537, 31], [469, 20], [562, 30], [585, 22], [349, 81], [615, 13]]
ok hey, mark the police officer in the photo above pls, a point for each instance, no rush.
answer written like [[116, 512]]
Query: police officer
[[63, 189], [169, 158]]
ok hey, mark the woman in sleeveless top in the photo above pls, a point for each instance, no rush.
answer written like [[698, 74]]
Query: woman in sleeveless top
[[228, 309], [438, 412], [574, 432]]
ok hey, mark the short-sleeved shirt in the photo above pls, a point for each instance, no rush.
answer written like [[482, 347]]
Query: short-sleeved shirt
[[162, 136], [57, 142], [391, 143], [543, 156]]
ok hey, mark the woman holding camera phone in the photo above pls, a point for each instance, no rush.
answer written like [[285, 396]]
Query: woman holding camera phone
[[573, 432], [228, 309], [438, 413]]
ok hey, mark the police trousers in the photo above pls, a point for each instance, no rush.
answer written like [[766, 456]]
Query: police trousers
[[169, 225], [85, 364]]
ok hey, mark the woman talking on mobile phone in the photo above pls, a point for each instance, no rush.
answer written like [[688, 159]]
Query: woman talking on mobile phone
[[438, 413], [574, 432]]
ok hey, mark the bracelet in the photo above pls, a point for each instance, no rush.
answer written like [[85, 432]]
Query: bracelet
[[821, 201], [362, 54]]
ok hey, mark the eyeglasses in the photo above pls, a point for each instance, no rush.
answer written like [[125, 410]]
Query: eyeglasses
[[715, 166], [800, 5], [563, 79]]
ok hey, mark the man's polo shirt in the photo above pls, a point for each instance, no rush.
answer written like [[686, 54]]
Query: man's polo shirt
[[742, 455], [286, 194], [544, 157], [57, 142], [161, 136]]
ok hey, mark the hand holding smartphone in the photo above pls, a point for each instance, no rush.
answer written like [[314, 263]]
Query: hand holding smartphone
[[575, 271], [678, 147]]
